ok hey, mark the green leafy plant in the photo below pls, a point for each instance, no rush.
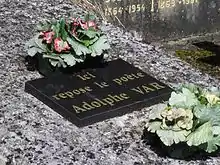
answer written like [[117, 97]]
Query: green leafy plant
[[66, 42], [191, 116]]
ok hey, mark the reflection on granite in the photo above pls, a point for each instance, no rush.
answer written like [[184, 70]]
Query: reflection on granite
[[32, 134]]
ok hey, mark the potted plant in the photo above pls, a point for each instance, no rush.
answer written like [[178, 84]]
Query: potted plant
[[189, 122], [66, 45]]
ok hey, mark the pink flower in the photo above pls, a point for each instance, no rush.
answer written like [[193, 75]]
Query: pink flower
[[91, 24], [48, 36], [60, 45], [83, 25], [74, 31], [77, 22]]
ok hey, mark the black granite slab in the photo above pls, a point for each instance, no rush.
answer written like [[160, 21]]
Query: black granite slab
[[97, 94]]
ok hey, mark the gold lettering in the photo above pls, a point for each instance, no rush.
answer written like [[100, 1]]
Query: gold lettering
[[62, 95], [101, 84], [133, 7], [90, 74], [129, 77], [69, 94], [78, 109], [168, 3], [115, 98], [116, 80], [115, 11], [86, 76], [134, 75], [152, 5], [101, 102], [124, 96], [96, 104], [143, 7], [124, 79], [138, 7], [138, 89], [173, 3], [162, 4], [87, 106], [120, 9], [157, 86], [147, 89], [82, 90], [140, 74], [88, 89], [109, 101], [76, 92], [55, 96]]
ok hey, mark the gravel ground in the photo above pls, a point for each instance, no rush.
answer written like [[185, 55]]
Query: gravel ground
[[31, 133]]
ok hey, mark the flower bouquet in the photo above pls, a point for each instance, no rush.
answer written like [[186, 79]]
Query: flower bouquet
[[189, 122], [66, 44]]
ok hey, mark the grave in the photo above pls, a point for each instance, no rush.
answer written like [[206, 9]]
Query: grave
[[94, 95], [163, 19]]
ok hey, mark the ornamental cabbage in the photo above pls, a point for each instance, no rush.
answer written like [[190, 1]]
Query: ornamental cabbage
[[191, 116]]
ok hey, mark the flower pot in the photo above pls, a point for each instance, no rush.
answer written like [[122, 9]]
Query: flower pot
[[46, 69]]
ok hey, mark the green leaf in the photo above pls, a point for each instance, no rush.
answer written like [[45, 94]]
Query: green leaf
[[169, 137], [156, 113], [216, 130], [69, 59], [89, 42], [192, 87], [153, 126], [213, 144], [33, 51], [56, 29], [90, 17], [207, 113], [64, 33], [31, 42], [99, 46], [53, 62], [35, 45], [186, 99], [89, 33], [201, 135], [40, 45], [215, 91], [43, 26], [55, 57], [79, 48]]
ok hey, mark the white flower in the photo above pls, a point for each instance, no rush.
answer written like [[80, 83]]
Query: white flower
[[212, 99]]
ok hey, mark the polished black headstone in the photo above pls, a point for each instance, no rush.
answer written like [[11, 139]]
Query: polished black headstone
[[97, 94]]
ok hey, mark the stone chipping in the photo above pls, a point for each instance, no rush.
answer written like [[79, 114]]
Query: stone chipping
[[33, 134]]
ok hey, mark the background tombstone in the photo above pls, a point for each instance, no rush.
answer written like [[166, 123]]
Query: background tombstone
[[163, 19]]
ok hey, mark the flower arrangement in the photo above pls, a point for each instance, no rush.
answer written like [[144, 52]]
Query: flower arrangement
[[67, 42], [191, 117]]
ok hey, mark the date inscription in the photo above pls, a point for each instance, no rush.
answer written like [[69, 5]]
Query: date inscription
[[114, 8]]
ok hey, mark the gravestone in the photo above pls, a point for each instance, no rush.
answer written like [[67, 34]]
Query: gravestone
[[97, 94], [163, 19]]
